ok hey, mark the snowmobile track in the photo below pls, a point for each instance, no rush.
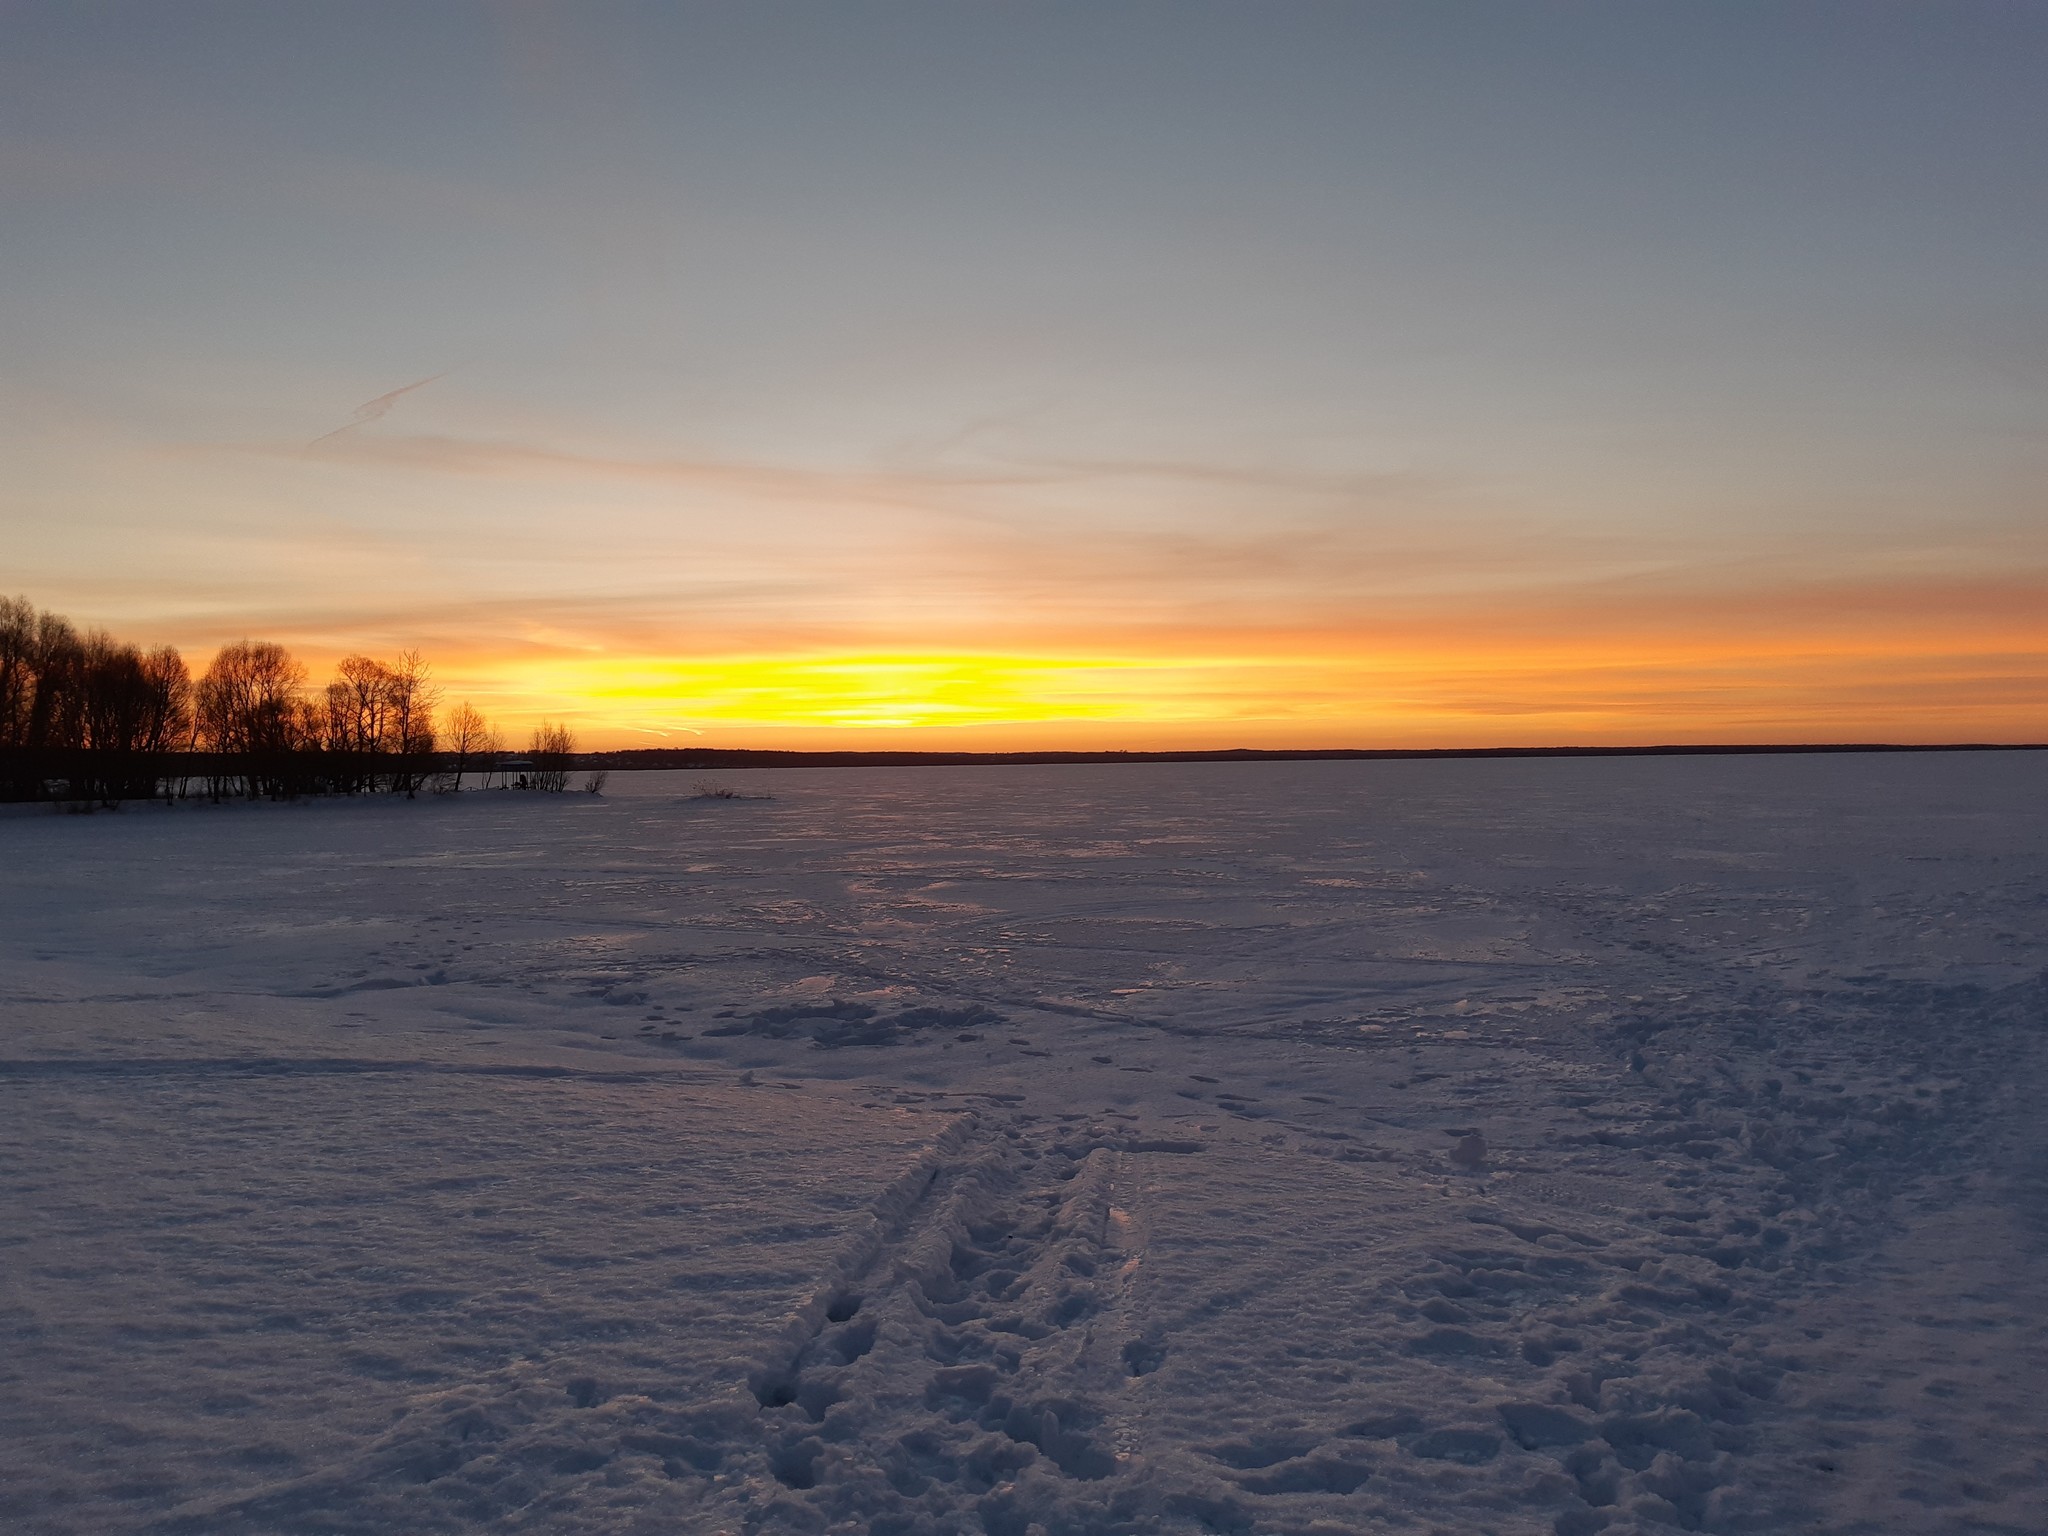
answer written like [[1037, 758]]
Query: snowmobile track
[[961, 1371]]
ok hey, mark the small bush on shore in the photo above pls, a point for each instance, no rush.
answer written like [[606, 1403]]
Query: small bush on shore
[[708, 790]]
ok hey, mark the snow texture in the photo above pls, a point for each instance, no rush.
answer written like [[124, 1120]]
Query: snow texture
[[1532, 1147]]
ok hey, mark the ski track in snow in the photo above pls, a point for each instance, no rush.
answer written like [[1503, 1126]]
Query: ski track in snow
[[1492, 1147]]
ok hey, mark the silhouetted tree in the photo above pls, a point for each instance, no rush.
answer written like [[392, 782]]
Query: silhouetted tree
[[42, 704], [167, 723], [551, 748], [413, 698], [355, 727], [251, 705], [119, 711], [97, 719], [85, 716], [377, 721], [467, 737], [17, 671], [55, 712]]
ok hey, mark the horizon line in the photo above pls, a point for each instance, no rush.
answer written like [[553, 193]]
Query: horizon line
[[638, 758]]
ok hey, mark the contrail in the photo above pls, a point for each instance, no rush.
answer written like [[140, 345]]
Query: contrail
[[377, 409]]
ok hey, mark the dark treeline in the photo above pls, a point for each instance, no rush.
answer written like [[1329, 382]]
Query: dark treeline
[[88, 719]]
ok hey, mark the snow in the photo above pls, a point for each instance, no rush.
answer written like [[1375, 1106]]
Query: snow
[[1525, 1146]]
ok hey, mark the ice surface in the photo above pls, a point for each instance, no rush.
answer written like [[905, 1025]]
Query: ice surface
[[1625, 1145]]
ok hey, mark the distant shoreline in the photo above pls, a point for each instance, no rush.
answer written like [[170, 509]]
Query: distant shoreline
[[672, 758]]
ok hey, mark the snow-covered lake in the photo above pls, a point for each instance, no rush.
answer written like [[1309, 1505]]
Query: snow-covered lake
[[1542, 1146]]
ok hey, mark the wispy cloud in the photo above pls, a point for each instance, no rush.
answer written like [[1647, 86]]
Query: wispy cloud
[[1011, 532], [469, 456], [651, 596], [377, 409]]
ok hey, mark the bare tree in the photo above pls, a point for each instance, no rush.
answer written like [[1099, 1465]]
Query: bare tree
[[94, 718], [378, 722], [245, 701], [87, 712], [17, 670], [251, 705], [467, 735], [113, 700], [55, 712], [167, 727], [552, 746], [356, 725], [42, 700], [115, 703], [413, 699], [168, 724]]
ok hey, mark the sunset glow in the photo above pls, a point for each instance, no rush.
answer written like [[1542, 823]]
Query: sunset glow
[[704, 376], [1340, 693]]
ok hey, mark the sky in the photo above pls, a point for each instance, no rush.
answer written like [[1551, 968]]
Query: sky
[[1113, 375]]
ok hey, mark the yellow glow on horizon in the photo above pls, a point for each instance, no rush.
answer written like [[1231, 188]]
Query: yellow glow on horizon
[[1353, 693], [1940, 660], [885, 691]]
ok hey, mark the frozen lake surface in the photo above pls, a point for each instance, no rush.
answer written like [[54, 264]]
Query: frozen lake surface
[[1527, 1146]]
